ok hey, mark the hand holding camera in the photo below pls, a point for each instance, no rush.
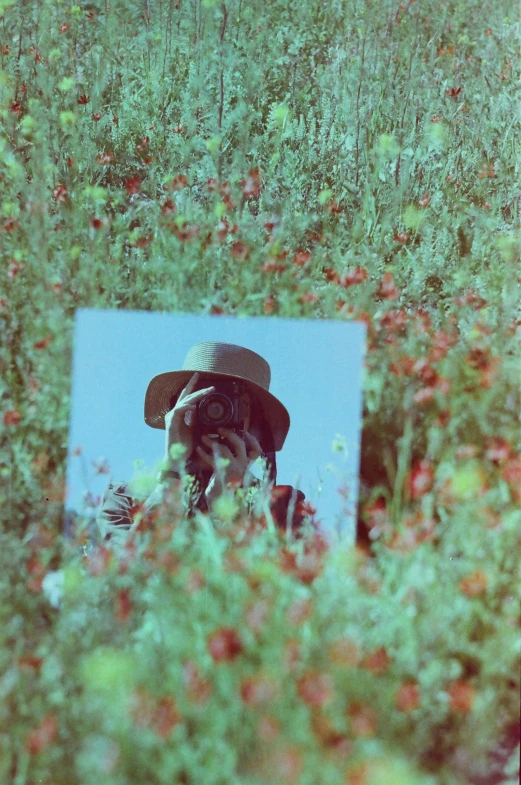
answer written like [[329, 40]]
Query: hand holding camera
[[179, 420], [244, 453]]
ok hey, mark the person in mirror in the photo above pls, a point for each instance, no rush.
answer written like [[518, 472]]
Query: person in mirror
[[217, 406]]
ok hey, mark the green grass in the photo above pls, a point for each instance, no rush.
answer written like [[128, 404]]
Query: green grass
[[134, 139]]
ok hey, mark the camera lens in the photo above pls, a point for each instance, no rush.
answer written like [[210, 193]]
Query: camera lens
[[215, 409]]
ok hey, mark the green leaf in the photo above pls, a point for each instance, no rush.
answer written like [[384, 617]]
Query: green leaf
[[413, 217], [324, 196]]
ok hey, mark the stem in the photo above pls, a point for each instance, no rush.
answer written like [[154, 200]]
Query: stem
[[358, 113], [221, 84]]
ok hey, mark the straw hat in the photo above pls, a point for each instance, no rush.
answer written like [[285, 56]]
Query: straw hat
[[212, 358]]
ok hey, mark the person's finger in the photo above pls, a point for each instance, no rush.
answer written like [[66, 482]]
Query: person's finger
[[219, 450], [189, 413], [205, 457], [190, 385], [235, 440], [254, 444], [199, 394]]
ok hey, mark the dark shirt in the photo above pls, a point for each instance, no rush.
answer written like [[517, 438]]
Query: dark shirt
[[117, 508]]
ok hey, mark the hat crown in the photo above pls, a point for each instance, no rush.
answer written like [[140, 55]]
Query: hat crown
[[228, 358]]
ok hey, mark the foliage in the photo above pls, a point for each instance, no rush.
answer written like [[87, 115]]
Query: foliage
[[328, 160]]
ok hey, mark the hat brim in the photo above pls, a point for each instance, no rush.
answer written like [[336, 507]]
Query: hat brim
[[165, 385]]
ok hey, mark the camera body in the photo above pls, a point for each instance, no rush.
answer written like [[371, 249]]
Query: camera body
[[222, 408]]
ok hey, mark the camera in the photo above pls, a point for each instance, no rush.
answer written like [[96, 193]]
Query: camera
[[222, 408]]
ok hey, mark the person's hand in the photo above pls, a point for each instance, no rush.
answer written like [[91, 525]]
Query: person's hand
[[246, 452], [179, 420]]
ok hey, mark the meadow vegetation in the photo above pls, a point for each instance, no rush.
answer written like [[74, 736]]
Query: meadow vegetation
[[352, 160]]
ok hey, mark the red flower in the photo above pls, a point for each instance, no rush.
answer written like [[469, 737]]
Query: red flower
[[420, 479], [333, 208], [168, 207], [377, 662], [96, 116], [143, 144], [83, 99], [345, 652], [257, 690], [453, 91], [185, 232], [251, 186], [331, 275], [160, 715], [257, 614], [471, 298], [285, 765], [358, 275], [123, 606], [462, 696], [99, 561], [292, 654], [423, 395], [441, 343], [301, 257], [133, 185], [326, 732], [198, 688], [376, 518], [308, 297], [165, 717], [14, 269], [387, 289], [310, 564], [272, 266], [269, 304], [363, 719], [487, 170], [299, 611], [44, 342], [401, 237], [225, 644], [498, 451], [511, 473], [474, 584], [408, 697], [195, 581], [30, 662], [239, 250], [10, 225], [42, 737], [395, 320], [107, 158], [315, 688], [12, 417], [60, 193]]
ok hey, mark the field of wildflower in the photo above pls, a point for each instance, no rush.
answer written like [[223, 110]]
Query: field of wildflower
[[350, 159]]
